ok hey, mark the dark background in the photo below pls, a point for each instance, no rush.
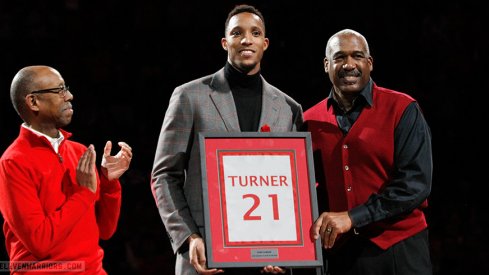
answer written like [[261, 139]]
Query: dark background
[[122, 60]]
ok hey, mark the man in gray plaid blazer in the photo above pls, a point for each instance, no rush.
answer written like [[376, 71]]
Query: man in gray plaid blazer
[[234, 99]]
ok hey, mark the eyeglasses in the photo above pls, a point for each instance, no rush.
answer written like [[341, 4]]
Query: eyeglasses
[[61, 91]]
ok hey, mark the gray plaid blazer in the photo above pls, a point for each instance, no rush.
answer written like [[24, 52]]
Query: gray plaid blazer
[[202, 105]]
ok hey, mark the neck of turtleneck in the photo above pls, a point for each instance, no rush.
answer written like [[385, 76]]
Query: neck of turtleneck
[[238, 79], [247, 94]]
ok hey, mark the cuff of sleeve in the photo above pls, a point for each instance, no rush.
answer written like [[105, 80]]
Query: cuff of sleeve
[[360, 216], [185, 245], [109, 186], [183, 248]]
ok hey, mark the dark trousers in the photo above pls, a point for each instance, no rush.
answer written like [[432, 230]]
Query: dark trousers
[[359, 256]]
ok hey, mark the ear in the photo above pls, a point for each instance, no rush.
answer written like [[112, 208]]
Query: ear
[[371, 63], [31, 102], [266, 43], [326, 63], [224, 43]]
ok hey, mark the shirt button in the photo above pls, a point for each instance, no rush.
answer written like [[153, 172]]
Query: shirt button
[[345, 146], [348, 189], [347, 168]]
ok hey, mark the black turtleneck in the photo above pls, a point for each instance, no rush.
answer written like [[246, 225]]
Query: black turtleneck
[[247, 94]]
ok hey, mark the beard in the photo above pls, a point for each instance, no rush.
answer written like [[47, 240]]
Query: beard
[[245, 67]]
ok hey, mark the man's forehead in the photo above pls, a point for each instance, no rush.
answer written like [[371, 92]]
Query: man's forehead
[[240, 18]]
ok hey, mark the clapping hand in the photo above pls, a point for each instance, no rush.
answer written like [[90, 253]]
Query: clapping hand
[[85, 171], [114, 166]]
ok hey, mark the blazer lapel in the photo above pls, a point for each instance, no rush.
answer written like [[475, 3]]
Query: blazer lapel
[[270, 107], [223, 100]]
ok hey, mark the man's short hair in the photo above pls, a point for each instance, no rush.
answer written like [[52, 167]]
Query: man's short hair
[[243, 8]]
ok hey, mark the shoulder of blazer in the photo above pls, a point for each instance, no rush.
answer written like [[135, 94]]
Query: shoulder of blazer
[[276, 92], [196, 83], [215, 81]]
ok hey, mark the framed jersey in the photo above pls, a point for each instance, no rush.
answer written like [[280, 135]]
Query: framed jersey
[[259, 195]]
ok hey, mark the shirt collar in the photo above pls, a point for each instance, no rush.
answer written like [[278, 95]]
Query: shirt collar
[[366, 93], [55, 142]]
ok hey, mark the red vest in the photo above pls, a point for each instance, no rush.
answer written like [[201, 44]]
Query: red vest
[[360, 163]]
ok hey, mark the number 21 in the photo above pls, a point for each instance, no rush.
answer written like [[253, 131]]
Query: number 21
[[256, 202]]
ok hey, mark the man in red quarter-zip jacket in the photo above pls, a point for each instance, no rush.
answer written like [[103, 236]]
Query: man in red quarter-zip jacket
[[55, 203], [374, 149]]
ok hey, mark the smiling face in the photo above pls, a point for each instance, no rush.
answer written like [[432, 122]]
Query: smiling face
[[245, 42], [348, 63], [49, 111]]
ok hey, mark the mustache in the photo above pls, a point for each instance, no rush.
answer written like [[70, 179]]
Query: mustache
[[344, 73], [68, 106]]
